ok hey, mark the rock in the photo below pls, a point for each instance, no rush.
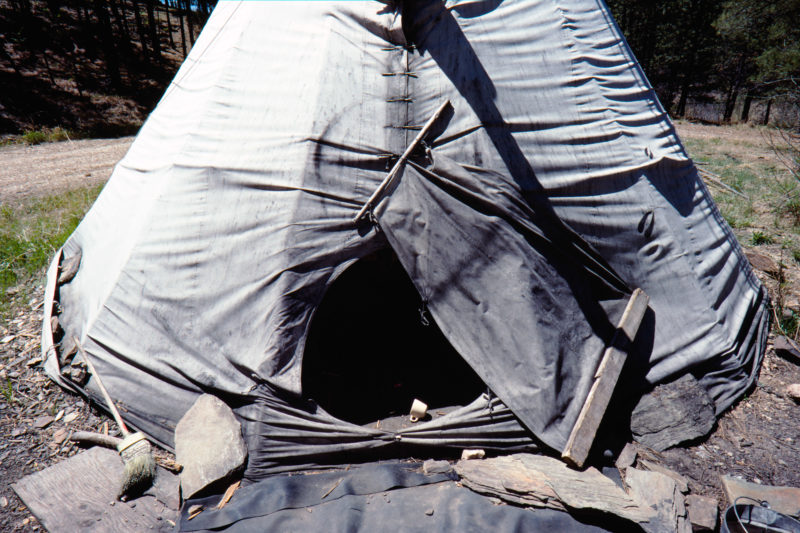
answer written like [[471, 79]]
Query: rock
[[59, 416], [703, 512], [472, 454], [793, 391], [68, 268], [762, 262], [60, 436], [787, 349], [683, 483], [627, 457], [785, 500], [3, 501], [209, 445], [432, 466], [659, 492], [70, 417], [43, 421], [672, 414], [429, 512]]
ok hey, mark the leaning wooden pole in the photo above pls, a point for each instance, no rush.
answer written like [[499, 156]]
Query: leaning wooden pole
[[605, 379], [399, 164]]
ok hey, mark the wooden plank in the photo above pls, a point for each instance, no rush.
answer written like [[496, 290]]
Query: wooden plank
[[540, 481], [79, 494], [583, 433]]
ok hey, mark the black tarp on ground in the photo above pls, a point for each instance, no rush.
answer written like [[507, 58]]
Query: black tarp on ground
[[395, 497]]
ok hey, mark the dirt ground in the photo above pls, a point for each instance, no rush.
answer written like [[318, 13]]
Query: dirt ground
[[758, 439], [48, 168]]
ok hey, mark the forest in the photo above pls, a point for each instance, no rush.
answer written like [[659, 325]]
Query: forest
[[97, 67]]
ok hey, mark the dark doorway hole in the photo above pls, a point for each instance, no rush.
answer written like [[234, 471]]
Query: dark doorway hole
[[369, 355]]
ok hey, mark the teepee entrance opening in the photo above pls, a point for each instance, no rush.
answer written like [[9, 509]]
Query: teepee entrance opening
[[372, 348]]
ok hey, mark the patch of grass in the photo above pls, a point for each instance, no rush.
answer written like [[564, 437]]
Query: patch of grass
[[8, 391], [39, 136], [760, 237], [33, 230]]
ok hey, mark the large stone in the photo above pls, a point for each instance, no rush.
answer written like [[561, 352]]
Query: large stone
[[784, 500], [209, 445], [703, 512], [660, 492], [672, 414]]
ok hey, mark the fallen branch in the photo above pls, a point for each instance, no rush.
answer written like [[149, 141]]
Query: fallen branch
[[716, 180], [95, 438]]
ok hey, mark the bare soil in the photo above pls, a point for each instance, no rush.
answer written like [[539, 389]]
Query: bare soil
[[45, 169], [757, 439]]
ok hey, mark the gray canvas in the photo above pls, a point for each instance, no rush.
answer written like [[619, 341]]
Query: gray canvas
[[553, 186]]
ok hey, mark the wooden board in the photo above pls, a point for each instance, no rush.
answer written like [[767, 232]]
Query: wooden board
[[582, 436], [77, 495], [540, 481]]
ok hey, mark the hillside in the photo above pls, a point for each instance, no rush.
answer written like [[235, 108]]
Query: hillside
[[95, 69]]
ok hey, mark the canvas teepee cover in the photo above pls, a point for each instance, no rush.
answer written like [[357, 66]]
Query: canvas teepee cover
[[554, 183]]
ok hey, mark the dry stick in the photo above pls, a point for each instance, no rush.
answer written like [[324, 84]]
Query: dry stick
[[95, 438], [713, 178], [102, 388], [392, 173]]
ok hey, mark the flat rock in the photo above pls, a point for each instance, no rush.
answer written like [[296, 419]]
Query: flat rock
[[43, 421], [209, 445], [785, 500], [659, 492], [703, 512], [672, 414], [762, 262], [432, 466], [787, 349], [793, 391]]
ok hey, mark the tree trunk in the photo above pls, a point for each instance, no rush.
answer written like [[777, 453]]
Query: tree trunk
[[188, 5], [183, 31], [107, 40], [748, 101], [125, 36], [47, 66], [733, 93], [730, 103], [122, 23], [169, 24], [151, 22], [766, 112], [140, 28]]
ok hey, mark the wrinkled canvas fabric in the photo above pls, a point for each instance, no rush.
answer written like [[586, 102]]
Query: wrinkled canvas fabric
[[554, 186]]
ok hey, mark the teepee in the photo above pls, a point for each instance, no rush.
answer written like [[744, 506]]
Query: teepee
[[547, 186]]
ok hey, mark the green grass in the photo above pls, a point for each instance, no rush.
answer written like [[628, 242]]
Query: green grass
[[759, 237], [31, 232], [39, 136], [773, 194]]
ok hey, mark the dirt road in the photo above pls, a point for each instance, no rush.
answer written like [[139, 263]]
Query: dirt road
[[28, 171]]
